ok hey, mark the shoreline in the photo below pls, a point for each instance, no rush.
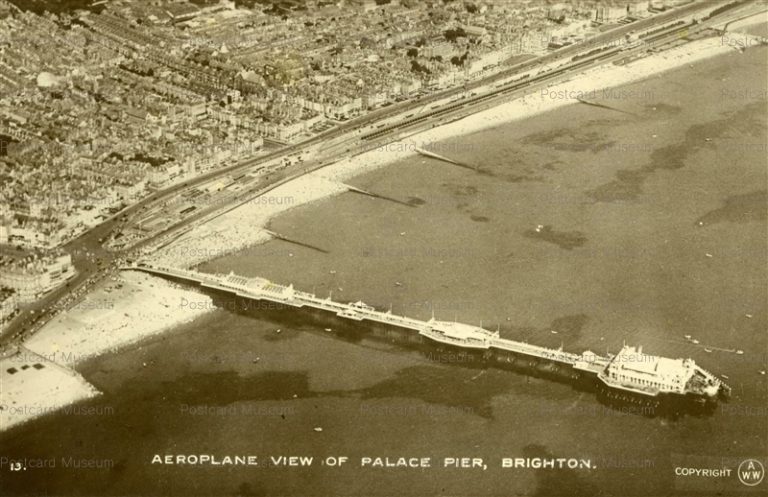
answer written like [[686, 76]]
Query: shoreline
[[98, 325], [144, 313], [118, 314], [247, 224], [34, 386]]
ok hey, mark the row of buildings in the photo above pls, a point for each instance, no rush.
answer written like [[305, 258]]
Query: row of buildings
[[97, 109], [9, 306], [25, 280]]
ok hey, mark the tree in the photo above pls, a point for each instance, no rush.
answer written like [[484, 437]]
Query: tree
[[452, 34]]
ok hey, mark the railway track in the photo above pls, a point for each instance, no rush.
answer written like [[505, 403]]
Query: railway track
[[661, 38]]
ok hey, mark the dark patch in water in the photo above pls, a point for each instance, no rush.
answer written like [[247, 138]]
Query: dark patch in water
[[557, 481], [467, 390], [479, 219], [517, 178], [567, 240], [628, 184], [416, 201], [460, 190], [462, 194], [485, 172], [569, 140], [616, 190], [738, 209], [251, 489], [602, 122], [207, 389], [514, 171]]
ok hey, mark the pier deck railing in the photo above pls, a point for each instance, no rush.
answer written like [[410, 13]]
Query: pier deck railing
[[262, 289]]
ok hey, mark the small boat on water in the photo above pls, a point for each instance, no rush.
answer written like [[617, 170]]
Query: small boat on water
[[553, 332], [328, 329], [687, 337], [726, 377], [707, 350], [740, 352], [694, 341]]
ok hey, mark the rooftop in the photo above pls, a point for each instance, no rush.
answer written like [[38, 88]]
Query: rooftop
[[633, 358], [460, 330]]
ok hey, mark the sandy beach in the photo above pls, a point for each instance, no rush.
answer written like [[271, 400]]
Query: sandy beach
[[112, 317], [245, 226], [117, 314], [33, 386]]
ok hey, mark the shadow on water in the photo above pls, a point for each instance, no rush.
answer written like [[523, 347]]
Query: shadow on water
[[205, 388], [556, 482], [468, 395], [379, 196], [738, 209], [248, 489], [604, 106], [298, 243], [426, 384]]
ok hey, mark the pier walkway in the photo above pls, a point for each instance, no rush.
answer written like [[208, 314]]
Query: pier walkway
[[450, 333]]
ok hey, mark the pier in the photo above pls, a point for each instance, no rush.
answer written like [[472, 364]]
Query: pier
[[445, 332], [360, 191], [630, 371], [278, 236], [432, 155], [604, 106]]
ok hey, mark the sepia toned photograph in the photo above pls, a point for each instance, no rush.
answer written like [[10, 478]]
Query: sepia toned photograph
[[380, 248]]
